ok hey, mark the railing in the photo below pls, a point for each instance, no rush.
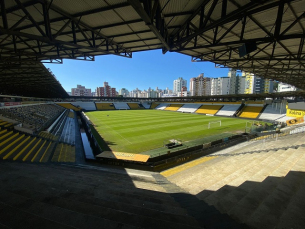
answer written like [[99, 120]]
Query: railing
[[198, 153], [292, 130]]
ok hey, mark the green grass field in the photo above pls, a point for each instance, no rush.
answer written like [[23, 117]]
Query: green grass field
[[138, 131]]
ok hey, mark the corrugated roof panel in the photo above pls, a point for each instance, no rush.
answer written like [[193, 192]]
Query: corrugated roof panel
[[232, 35], [114, 2], [177, 20], [116, 30], [123, 39], [139, 26], [134, 44], [152, 42], [14, 18], [298, 6], [36, 12], [146, 35], [76, 6], [189, 53], [174, 6], [242, 2], [100, 19], [127, 13]]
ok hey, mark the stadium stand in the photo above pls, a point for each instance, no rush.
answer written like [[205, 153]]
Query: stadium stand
[[68, 132], [271, 113], [135, 106], [250, 111], [189, 108], [121, 106], [254, 102], [69, 106], [261, 183], [228, 110], [15, 145], [63, 196], [64, 153], [208, 109], [173, 107], [147, 105], [104, 106], [161, 106], [6, 124], [34, 117], [47, 135], [154, 105], [284, 119], [22, 147], [89, 106]]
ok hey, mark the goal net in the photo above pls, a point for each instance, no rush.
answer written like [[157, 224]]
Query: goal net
[[214, 124]]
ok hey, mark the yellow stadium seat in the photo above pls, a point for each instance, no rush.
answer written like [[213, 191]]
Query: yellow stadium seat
[[250, 112], [153, 105], [134, 106], [104, 106], [69, 106], [209, 109], [173, 107]]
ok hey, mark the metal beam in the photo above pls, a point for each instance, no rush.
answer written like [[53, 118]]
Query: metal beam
[[3, 14], [240, 12], [147, 19]]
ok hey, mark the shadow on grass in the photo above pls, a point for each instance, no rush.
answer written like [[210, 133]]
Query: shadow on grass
[[104, 145]]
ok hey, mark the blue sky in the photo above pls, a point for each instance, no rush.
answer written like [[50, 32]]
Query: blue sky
[[143, 70]]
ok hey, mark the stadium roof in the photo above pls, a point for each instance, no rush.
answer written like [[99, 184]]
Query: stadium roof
[[265, 37]]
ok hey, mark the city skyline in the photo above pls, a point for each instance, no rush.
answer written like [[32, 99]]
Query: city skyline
[[145, 69], [246, 83]]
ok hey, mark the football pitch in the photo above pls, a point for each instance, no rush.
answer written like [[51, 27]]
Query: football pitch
[[143, 131]]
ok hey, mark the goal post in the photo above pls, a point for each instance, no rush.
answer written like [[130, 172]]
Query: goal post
[[217, 123]]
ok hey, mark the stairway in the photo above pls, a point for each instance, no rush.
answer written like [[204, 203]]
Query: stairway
[[262, 189], [55, 196]]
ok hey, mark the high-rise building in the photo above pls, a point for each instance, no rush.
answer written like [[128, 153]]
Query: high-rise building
[[249, 83], [263, 85], [234, 81], [220, 86], [200, 85], [124, 92], [254, 84], [285, 87], [81, 91], [106, 91], [178, 84], [241, 84], [136, 93], [268, 87]]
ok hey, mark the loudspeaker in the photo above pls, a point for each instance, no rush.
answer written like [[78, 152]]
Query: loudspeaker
[[246, 48]]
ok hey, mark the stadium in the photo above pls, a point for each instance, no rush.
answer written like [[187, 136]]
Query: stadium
[[223, 161]]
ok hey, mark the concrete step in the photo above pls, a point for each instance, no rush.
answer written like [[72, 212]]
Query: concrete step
[[108, 207], [293, 216], [251, 201], [224, 200], [247, 170], [254, 161], [126, 194], [8, 146], [276, 202], [12, 217], [12, 149], [45, 195], [40, 214], [209, 174]]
